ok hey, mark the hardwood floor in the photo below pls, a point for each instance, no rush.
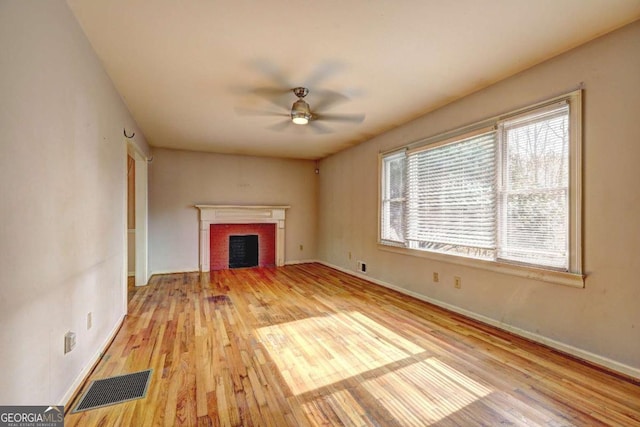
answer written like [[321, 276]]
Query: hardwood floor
[[306, 345], [131, 288]]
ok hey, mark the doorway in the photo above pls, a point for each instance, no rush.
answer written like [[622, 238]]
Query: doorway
[[131, 227], [136, 261]]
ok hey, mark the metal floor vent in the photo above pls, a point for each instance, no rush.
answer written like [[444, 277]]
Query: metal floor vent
[[113, 390]]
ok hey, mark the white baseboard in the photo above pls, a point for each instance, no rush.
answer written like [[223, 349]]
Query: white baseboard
[[180, 270], [131, 274], [196, 270], [558, 345], [300, 261], [70, 393]]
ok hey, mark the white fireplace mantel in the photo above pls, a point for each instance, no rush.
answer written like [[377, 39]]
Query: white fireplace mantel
[[238, 214]]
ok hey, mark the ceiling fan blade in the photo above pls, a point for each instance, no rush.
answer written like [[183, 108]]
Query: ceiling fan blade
[[347, 118], [268, 69], [278, 96], [327, 100], [322, 72], [319, 128], [272, 92], [251, 112], [280, 126]]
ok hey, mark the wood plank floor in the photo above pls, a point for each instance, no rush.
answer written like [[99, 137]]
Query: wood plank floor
[[131, 288], [306, 345]]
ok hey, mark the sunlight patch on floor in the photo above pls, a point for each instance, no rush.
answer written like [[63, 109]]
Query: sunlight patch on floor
[[318, 351], [355, 359], [424, 392]]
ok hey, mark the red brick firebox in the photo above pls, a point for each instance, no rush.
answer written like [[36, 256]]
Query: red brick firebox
[[219, 243]]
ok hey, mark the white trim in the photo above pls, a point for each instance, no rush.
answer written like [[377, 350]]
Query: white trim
[[176, 271], [565, 348], [458, 138], [196, 270], [240, 214], [142, 222], [575, 182], [575, 276], [82, 376], [549, 276], [242, 208], [124, 282], [380, 190], [141, 213], [300, 261]]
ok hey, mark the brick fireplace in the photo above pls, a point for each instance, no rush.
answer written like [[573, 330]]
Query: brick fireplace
[[221, 236], [218, 222]]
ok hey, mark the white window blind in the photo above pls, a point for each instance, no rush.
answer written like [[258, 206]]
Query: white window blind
[[451, 205], [534, 193], [393, 198], [509, 192]]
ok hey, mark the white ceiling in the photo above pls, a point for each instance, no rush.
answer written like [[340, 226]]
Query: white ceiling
[[188, 69]]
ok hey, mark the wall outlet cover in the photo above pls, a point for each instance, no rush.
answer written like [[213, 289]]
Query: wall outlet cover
[[457, 282], [69, 341]]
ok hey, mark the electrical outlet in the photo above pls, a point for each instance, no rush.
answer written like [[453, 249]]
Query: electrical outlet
[[457, 282], [89, 320], [436, 277], [349, 255], [301, 247]]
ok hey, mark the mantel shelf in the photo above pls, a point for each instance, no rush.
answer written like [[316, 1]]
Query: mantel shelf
[[242, 206]]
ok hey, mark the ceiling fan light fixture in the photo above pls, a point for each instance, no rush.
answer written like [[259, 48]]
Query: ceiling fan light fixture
[[299, 120], [300, 112]]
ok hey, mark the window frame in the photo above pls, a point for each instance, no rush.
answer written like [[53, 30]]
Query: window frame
[[503, 128], [383, 196], [574, 276]]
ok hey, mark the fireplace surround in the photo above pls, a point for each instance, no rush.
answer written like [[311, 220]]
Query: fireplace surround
[[220, 235], [239, 214]]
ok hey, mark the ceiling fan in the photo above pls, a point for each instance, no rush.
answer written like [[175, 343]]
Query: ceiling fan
[[300, 112]]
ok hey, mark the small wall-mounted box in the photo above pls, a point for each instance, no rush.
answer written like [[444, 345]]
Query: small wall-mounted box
[[362, 267], [69, 341]]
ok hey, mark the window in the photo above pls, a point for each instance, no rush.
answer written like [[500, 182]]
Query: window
[[534, 193], [451, 197], [508, 192], [393, 201]]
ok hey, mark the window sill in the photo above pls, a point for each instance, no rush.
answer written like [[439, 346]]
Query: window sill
[[557, 277]]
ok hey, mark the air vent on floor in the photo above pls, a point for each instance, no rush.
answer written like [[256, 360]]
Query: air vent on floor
[[113, 390]]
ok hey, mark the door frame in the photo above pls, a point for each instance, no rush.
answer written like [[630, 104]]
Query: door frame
[[141, 216]]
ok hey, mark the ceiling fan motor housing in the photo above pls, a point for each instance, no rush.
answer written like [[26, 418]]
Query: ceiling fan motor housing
[[300, 92]]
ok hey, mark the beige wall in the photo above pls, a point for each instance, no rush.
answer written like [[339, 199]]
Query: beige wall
[[180, 179], [63, 192], [603, 319]]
